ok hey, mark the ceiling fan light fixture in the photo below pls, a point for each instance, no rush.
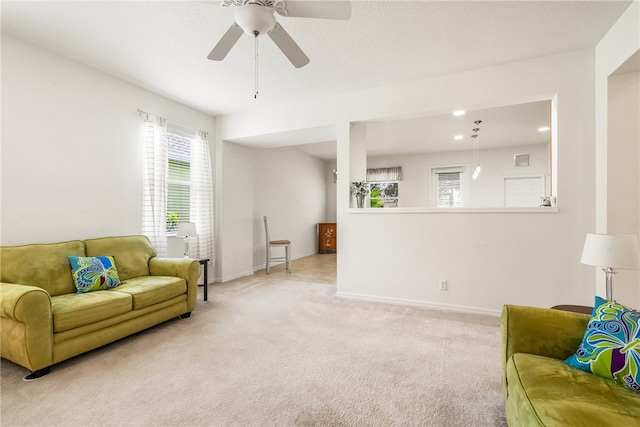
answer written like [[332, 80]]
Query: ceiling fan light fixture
[[255, 19]]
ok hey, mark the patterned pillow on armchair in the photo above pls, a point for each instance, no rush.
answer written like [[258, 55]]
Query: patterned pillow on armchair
[[610, 347]]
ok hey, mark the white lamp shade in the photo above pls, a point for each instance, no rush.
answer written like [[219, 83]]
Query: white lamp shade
[[611, 250], [186, 229]]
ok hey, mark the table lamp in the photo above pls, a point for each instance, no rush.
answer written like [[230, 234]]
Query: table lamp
[[186, 230], [610, 251]]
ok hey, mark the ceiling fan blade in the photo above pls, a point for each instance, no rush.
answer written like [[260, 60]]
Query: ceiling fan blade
[[289, 47], [226, 43], [330, 9]]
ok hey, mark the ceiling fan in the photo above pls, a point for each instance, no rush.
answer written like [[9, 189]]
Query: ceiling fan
[[256, 17]]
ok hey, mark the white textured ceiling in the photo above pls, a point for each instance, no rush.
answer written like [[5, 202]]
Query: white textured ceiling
[[163, 45]]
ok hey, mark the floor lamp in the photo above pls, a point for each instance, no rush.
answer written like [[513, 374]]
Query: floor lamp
[[186, 230], [610, 251]]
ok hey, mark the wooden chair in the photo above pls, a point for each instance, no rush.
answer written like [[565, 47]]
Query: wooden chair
[[286, 244]]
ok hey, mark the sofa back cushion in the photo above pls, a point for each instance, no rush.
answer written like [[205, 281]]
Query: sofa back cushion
[[131, 253], [43, 265]]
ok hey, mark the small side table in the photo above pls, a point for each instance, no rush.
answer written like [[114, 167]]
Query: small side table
[[205, 263], [327, 237]]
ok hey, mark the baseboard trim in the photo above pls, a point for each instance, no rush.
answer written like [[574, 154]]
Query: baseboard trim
[[418, 303], [233, 277]]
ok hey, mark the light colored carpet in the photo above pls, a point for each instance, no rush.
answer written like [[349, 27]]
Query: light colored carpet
[[270, 352]]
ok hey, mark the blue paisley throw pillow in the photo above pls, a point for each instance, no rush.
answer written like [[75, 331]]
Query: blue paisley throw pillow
[[94, 273], [611, 345]]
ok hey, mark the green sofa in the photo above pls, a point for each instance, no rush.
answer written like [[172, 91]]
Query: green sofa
[[540, 389], [44, 320]]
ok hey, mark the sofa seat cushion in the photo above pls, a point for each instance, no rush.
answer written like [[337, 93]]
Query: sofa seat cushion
[[548, 392], [75, 310], [150, 290]]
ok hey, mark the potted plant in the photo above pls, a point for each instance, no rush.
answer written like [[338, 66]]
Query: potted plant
[[360, 190]]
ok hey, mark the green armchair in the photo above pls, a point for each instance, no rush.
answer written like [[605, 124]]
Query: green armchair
[[540, 389]]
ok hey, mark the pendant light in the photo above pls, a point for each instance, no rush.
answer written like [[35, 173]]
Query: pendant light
[[476, 150]]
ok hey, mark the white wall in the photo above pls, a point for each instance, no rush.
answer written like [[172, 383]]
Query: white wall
[[489, 259], [623, 183], [289, 187], [617, 141], [331, 185], [485, 192], [234, 212], [72, 147], [623, 164]]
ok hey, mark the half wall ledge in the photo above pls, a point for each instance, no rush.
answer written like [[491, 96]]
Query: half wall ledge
[[376, 211]]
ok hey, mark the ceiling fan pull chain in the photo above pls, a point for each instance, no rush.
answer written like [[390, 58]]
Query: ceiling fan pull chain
[[255, 96]]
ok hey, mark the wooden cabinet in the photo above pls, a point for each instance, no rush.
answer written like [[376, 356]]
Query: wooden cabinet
[[327, 237]]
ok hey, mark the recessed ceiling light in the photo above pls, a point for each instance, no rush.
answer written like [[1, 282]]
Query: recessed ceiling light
[[458, 137], [543, 129], [459, 113]]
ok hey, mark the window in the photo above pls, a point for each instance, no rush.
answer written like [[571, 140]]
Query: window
[[449, 186], [177, 185], [448, 189], [179, 180], [383, 186], [383, 194]]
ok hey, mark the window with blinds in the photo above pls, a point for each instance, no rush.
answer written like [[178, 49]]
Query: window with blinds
[[179, 180], [448, 188]]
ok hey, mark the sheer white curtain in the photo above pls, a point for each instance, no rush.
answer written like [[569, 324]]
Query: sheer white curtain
[[201, 198], [154, 183]]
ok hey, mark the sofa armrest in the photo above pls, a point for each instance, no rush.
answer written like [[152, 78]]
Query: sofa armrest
[[186, 268], [542, 331], [27, 325]]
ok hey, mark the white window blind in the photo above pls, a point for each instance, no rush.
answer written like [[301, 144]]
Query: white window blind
[[448, 189], [449, 186], [179, 180]]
